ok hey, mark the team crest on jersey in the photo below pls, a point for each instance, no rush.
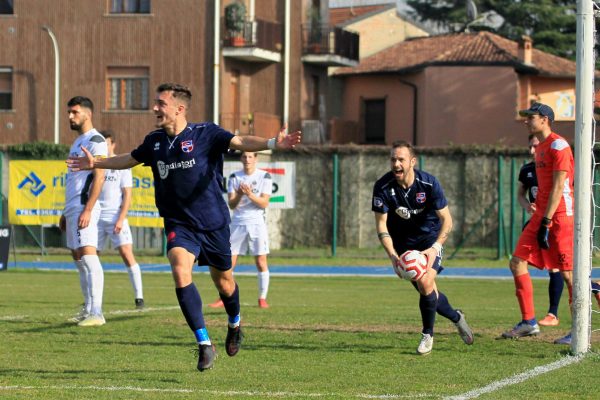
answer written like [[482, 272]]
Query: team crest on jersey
[[187, 146], [156, 146], [421, 197]]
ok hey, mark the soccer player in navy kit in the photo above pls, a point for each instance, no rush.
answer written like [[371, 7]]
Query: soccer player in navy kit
[[526, 194], [187, 164], [411, 213]]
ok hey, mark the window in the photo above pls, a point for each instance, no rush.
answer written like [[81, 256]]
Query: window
[[127, 88], [6, 7], [130, 6], [6, 88], [375, 121]]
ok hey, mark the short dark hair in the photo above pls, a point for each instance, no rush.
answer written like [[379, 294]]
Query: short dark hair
[[530, 137], [404, 143], [180, 92], [108, 133], [81, 101]]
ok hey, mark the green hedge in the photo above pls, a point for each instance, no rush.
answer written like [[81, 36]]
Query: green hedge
[[38, 151]]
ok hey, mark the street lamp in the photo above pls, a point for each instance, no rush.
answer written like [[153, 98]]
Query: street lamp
[[56, 82]]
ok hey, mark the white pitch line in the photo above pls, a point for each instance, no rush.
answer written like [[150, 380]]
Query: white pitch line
[[208, 391], [513, 380]]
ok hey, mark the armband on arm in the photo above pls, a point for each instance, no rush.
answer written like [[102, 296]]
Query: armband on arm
[[382, 235]]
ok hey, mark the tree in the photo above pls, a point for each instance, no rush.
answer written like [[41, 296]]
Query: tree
[[550, 23]]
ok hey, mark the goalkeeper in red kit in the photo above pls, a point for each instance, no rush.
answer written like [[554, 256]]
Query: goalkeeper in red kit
[[547, 241]]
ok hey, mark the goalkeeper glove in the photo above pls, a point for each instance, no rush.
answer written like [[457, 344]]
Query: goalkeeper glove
[[543, 232]]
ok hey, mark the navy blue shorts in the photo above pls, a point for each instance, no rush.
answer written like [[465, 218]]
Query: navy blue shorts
[[210, 248]]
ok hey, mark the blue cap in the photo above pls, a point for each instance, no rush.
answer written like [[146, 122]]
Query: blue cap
[[538, 109]]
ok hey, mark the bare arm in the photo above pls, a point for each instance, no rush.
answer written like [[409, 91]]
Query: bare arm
[[95, 189], [445, 229], [88, 161], [384, 237], [255, 143], [523, 200], [558, 183], [233, 199], [125, 203]]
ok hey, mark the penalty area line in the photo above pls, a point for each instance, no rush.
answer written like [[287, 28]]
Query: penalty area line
[[513, 380]]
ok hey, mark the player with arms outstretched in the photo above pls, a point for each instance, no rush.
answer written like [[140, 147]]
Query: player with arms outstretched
[[187, 165], [411, 213]]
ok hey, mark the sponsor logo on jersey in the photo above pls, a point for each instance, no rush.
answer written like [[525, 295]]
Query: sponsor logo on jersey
[[405, 213], [163, 169], [377, 202], [187, 146], [421, 197]]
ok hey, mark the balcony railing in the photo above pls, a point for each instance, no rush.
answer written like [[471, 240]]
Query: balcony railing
[[258, 41], [335, 45]]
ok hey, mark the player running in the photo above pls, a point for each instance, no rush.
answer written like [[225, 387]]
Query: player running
[[187, 165], [419, 220]]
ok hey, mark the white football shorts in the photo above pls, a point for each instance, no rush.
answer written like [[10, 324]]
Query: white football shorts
[[106, 226], [88, 236], [253, 237]]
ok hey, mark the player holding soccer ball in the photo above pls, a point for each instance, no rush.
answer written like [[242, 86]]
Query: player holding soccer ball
[[420, 220]]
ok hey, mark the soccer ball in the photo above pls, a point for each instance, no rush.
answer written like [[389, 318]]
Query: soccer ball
[[413, 264]]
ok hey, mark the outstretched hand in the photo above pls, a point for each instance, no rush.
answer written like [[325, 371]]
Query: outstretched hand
[[81, 163], [287, 140]]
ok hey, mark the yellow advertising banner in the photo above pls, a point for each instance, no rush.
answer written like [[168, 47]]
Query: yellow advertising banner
[[36, 194]]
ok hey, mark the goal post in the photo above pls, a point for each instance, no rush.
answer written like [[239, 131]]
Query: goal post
[[584, 138]]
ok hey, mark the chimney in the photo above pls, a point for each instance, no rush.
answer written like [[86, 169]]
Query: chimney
[[525, 49]]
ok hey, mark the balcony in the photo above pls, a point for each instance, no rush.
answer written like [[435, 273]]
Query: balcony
[[259, 41], [329, 46]]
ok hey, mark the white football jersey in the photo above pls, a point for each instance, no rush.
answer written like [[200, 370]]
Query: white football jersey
[[79, 183], [246, 211], [111, 196]]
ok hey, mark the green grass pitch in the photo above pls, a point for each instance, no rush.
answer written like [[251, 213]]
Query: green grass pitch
[[323, 337]]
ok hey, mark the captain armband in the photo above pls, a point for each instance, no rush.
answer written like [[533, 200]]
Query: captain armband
[[382, 235]]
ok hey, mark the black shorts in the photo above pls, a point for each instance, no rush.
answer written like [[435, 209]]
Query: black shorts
[[211, 248]]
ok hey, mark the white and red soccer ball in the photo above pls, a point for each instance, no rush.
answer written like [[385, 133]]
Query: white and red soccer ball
[[413, 265]]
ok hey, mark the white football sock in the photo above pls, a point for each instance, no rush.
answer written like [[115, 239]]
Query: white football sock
[[263, 284], [135, 277], [83, 283], [95, 282]]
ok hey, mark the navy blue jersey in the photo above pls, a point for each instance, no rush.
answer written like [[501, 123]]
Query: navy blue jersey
[[412, 220], [528, 178], [188, 174]]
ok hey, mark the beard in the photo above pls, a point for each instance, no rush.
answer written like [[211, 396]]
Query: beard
[[75, 127]]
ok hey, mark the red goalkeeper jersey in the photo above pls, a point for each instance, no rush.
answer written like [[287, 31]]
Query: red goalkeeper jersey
[[554, 154]]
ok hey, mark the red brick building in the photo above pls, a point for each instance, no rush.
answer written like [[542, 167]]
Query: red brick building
[[117, 51], [453, 89]]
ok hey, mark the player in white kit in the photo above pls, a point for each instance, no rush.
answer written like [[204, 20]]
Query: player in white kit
[[82, 211], [249, 191], [115, 199]]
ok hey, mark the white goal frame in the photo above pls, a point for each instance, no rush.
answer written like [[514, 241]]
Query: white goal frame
[[584, 139]]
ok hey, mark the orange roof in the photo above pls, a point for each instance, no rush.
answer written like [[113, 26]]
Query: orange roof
[[340, 15], [481, 48]]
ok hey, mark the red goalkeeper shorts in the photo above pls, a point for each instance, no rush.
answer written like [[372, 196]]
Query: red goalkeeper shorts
[[560, 253]]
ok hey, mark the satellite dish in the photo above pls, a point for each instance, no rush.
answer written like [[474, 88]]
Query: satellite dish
[[471, 10]]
